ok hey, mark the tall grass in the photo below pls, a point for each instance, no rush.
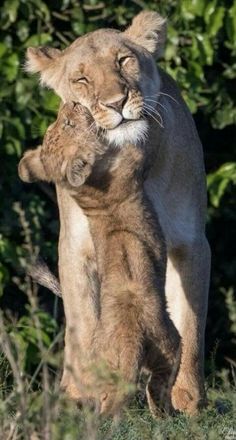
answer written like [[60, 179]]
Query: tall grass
[[32, 406]]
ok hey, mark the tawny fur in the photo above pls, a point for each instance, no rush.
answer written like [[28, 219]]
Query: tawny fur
[[134, 329], [175, 184]]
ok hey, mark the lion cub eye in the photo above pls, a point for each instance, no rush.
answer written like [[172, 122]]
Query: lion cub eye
[[124, 60], [81, 80]]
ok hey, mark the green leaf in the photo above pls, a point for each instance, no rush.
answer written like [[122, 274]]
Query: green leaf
[[22, 30], [205, 48], [192, 8], [11, 67], [231, 24], [3, 49], [219, 181], [42, 10], [215, 21], [51, 101], [225, 115], [210, 10], [17, 127], [38, 40], [13, 147], [196, 70], [230, 71], [9, 12]]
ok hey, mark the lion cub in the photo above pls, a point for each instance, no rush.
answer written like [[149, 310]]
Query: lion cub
[[134, 329]]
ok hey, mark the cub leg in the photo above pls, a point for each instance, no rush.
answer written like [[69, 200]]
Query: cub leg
[[121, 346], [158, 389], [163, 361]]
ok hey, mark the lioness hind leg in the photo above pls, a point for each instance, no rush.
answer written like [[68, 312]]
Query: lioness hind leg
[[163, 354]]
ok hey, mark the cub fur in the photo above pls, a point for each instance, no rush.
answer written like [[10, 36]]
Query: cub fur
[[134, 329]]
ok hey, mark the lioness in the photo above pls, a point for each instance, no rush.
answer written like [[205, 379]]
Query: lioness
[[108, 72], [133, 327]]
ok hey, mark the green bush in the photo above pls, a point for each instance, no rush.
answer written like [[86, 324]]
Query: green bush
[[200, 55]]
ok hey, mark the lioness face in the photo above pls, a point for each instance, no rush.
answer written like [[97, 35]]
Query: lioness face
[[111, 73]]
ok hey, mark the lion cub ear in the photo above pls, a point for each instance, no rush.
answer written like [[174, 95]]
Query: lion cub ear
[[148, 29], [30, 168], [46, 61]]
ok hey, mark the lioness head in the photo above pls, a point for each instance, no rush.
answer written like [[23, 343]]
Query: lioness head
[[111, 73]]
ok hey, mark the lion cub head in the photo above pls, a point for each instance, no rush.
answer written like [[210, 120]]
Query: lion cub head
[[111, 73], [69, 150]]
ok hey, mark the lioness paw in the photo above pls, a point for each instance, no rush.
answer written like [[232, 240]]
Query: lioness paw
[[187, 401]]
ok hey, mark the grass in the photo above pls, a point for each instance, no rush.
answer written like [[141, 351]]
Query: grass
[[32, 406], [68, 424]]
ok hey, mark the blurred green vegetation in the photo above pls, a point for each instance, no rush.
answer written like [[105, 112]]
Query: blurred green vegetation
[[201, 56]]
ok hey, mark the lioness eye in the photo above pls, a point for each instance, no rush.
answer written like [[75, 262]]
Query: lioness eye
[[82, 80], [124, 60]]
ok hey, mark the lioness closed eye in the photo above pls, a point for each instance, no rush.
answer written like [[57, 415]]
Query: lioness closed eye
[[134, 329]]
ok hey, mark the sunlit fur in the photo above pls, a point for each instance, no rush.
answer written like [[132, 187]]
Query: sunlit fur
[[129, 132], [176, 187], [105, 67]]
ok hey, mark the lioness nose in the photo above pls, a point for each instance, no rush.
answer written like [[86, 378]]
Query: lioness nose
[[116, 102]]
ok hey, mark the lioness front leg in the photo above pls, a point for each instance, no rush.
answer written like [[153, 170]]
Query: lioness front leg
[[187, 290], [76, 255]]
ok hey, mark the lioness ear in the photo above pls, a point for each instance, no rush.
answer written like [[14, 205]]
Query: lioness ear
[[46, 61], [148, 29]]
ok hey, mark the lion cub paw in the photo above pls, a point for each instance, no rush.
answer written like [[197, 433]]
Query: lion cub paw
[[78, 170]]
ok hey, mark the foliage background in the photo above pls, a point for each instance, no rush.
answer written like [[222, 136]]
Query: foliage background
[[201, 56]]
